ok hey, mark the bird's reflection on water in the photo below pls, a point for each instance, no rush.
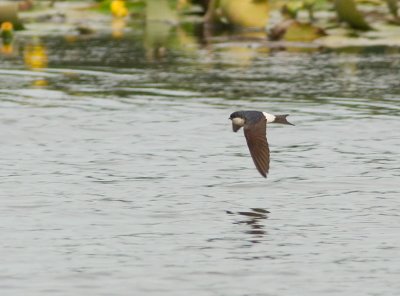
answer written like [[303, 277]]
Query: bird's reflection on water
[[254, 219]]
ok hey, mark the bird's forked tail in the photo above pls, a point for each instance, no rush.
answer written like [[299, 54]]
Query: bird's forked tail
[[282, 119]]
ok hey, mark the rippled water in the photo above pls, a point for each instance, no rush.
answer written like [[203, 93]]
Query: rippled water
[[120, 174]]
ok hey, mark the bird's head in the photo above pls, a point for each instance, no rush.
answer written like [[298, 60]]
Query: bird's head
[[236, 114], [238, 120]]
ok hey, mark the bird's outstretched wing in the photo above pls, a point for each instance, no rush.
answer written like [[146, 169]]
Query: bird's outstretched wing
[[257, 141]]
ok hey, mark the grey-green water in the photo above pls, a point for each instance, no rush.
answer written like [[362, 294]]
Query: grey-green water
[[120, 174]]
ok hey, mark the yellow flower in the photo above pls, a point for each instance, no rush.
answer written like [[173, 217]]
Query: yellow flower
[[7, 26], [6, 32], [118, 8]]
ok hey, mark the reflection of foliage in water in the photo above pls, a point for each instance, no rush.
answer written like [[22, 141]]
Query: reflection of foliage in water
[[35, 55], [226, 71]]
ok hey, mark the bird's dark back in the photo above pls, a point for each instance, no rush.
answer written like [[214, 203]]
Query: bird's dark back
[[253, 117]]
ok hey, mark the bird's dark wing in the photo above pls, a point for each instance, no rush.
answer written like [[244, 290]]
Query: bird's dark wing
[[257, 141]]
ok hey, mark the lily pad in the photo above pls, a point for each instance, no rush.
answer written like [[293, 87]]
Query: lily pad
[[295, 31], [347, 12], [393, 7], [240, 13]]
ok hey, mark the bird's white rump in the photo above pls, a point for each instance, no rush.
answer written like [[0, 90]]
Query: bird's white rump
[[269, 117]]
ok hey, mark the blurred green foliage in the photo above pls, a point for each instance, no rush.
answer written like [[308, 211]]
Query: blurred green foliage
[[356, 14], [393, 7], [227, 10], [347, 12]]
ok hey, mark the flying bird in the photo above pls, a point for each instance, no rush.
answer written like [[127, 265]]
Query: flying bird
[[254, 124]]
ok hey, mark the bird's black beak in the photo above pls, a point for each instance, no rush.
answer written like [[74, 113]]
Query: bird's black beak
[[282, 119]]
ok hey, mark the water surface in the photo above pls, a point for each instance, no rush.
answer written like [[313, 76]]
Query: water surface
[[121, 175]]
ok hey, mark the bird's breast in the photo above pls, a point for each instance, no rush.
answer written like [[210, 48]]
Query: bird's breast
[[238, 121]]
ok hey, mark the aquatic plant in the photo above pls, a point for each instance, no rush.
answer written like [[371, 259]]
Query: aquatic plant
[[6, 32]]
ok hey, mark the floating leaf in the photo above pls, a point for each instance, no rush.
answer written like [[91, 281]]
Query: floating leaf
[[393, 7], [241, 13], [295, 31], [303, 32], [347, 12], [160, 10]]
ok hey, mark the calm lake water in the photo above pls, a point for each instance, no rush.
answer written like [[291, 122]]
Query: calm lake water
[[120, 174]]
